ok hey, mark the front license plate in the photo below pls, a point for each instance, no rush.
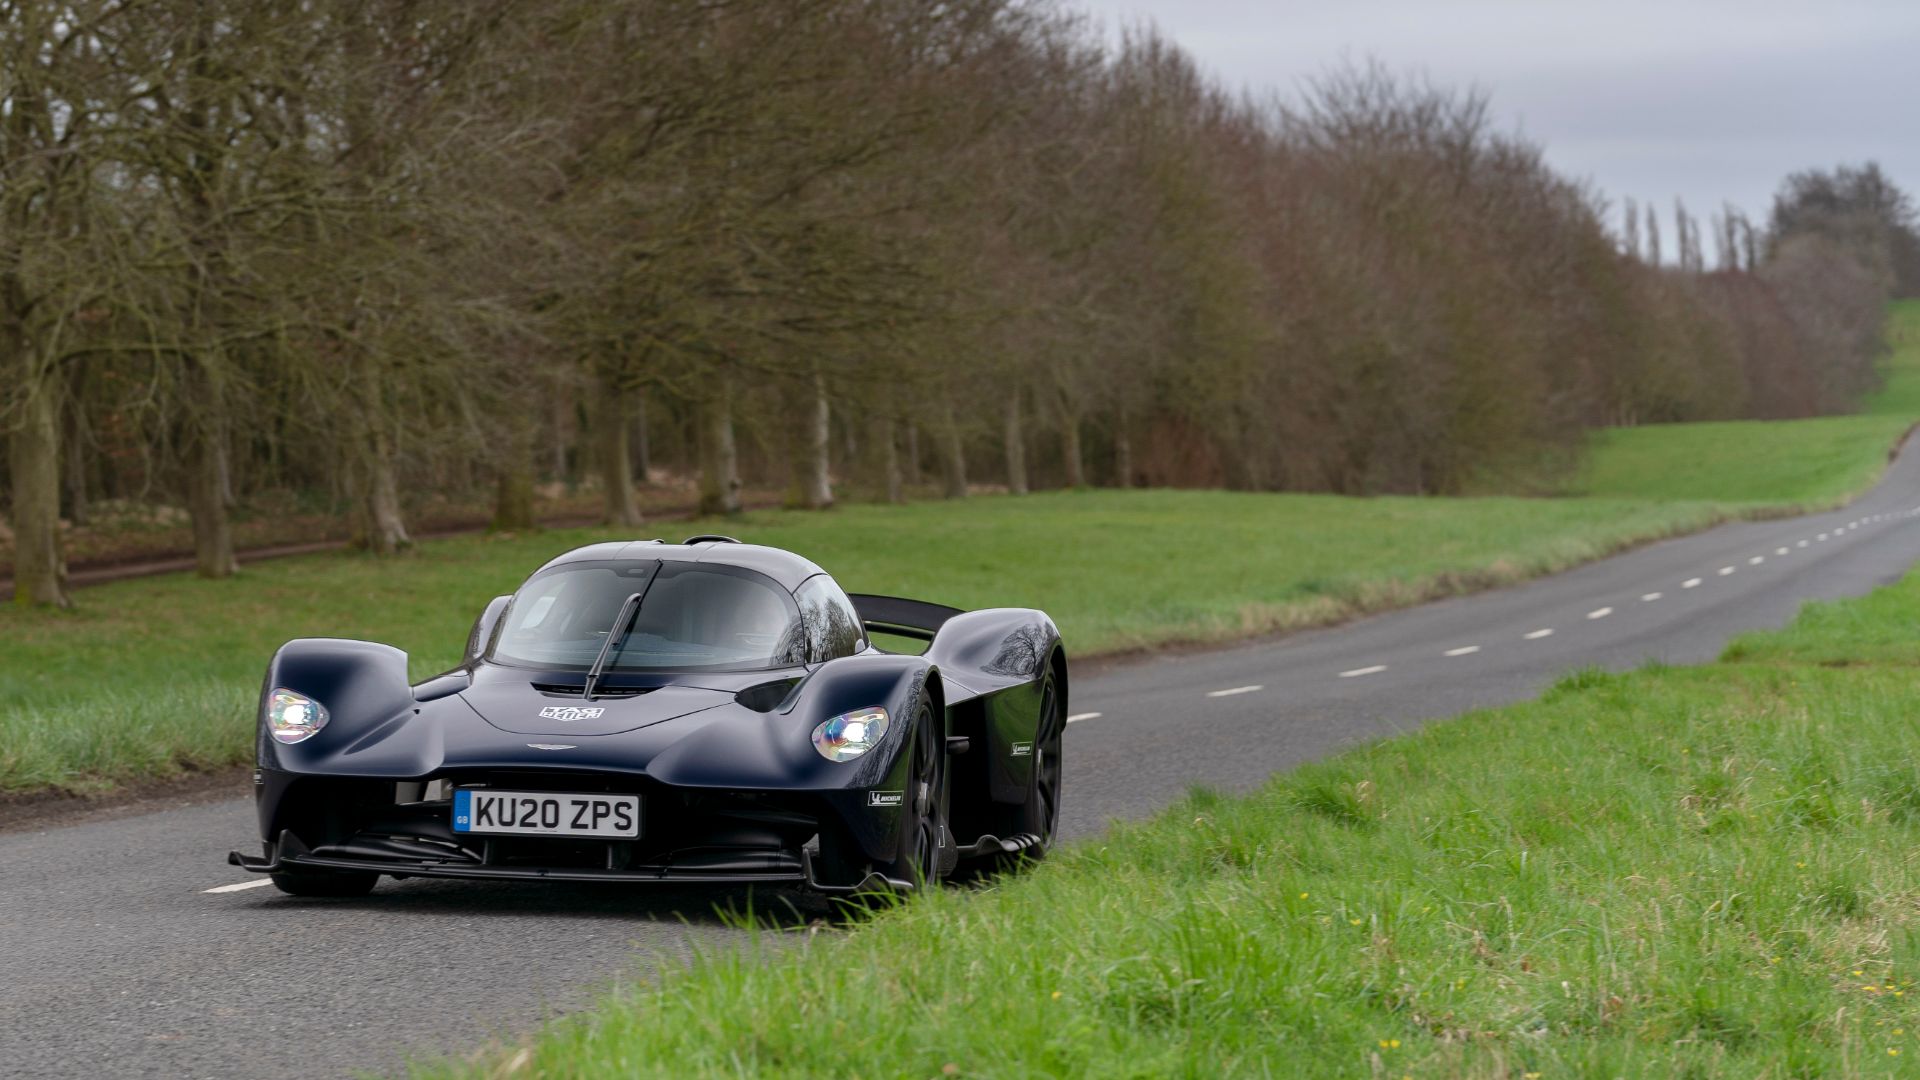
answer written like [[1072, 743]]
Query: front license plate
[[545, 813]]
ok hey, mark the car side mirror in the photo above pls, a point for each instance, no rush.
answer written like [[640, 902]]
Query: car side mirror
[[483, 626]]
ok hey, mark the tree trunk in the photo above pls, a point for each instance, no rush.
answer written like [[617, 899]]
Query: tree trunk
[[913, 453], [207, 506], [207, 476], [1016, 447], [953, 457], [223, 456], [386, 529], [1070, 446], [1122, 453], [816, 486], [513, 488], [616, 458], [33, 456], [642, 453], [557, 434], [719, 458], [513, 500], [890, 460], [74, 463]]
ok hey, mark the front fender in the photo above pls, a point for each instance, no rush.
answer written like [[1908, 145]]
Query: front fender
[[995, 659], [362, 685]]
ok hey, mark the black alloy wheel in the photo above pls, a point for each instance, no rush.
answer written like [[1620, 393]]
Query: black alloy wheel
[[924, 806]]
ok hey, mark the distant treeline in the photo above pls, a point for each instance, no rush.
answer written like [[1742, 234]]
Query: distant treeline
[[373, 250]]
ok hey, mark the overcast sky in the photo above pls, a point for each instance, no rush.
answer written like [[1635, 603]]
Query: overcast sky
[[1709, 100]]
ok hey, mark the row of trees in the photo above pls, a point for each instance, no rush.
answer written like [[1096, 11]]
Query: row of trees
[[373, 249]]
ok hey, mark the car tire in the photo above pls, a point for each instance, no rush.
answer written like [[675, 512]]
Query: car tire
[[924, 836], [325, 882]]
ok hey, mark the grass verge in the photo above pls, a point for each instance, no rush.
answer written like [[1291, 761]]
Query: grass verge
[[1805, 463], [156, 676], [1704, 872]]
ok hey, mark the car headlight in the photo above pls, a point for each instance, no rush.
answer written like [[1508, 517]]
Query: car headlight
[[294, 717], [849, 735]]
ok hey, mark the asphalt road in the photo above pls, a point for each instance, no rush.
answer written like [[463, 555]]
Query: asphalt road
[[116, 959]]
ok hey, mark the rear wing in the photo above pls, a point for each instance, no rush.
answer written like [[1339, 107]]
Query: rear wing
[[915, 619]]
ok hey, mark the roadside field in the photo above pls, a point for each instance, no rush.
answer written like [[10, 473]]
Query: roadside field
[[1806, 463], [152, 676], [1810, 463], [1701, 872], [159, 674]]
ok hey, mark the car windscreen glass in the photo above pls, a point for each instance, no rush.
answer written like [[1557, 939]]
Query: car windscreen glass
[[692, 617]]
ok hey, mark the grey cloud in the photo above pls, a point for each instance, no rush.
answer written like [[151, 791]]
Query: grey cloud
[[1708, 101]]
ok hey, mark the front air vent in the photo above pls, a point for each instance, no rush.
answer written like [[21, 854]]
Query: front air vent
[[599, 692], [768, 696]]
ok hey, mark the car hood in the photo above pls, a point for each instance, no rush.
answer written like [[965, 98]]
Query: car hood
[[524, 710]]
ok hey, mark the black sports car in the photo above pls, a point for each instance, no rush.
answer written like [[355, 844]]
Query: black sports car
[[646, 712]]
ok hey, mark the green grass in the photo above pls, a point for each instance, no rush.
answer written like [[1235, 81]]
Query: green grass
[[1702, 872], [1805, 463], [153, 676], [158, 674], [1802, 463]]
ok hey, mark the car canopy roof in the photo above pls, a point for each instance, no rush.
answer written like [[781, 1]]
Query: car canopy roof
[[782, 566]]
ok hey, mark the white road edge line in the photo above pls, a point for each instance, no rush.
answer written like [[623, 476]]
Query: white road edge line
[[1802, 543], [1599, 613], [1822, 536], [1359, 671], [1690, 583], [1079, 716], [1756, 560], [1779, 551], [1724, 571], [239, 885], [1536, 635], [1648, 598], [1232, 690], [1464, 650]]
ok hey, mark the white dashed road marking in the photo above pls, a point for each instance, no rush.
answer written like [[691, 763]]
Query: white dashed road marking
[[1079, 716], [1232, 690], [1375, 669], [239, 885]]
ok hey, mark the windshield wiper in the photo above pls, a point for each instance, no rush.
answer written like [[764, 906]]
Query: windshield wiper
[[629, 611]]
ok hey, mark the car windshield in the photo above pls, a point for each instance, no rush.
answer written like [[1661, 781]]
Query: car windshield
[[691, 617]]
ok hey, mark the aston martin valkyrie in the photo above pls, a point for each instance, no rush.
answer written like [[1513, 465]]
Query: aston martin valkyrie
[[705, 712]]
